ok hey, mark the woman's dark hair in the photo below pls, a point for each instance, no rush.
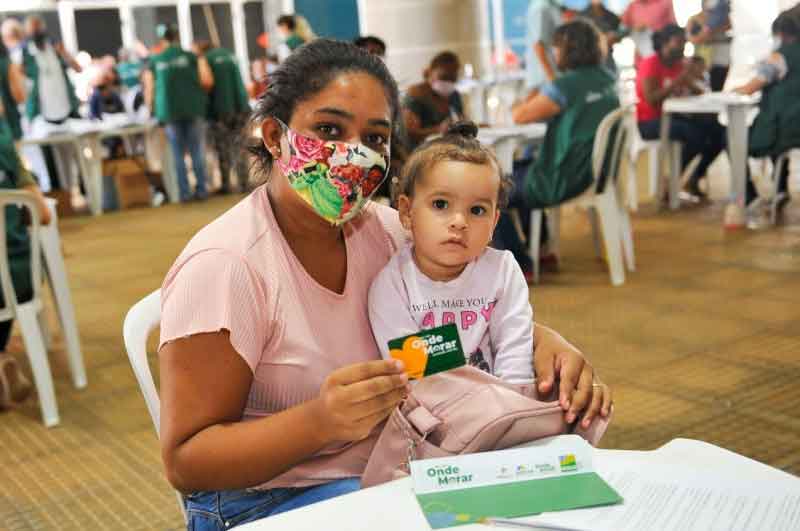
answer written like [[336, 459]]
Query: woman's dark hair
[[665, 34], [580, 44], [306, 72], [288, 21], [446, 59], [459, 143], [786, 24]]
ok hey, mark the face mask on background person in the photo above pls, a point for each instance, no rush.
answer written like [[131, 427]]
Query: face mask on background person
[[335, 178], [443, 88]]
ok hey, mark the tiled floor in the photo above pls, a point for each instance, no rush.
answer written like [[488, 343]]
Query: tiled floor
[[703, 341]]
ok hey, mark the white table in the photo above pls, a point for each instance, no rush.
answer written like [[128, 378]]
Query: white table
[[506, 139], [393, 507], [736, 107], [85, 137]]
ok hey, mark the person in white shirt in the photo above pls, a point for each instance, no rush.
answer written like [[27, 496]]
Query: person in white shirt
[[451, 192]]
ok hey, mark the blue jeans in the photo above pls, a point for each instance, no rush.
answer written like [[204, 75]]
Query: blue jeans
[[701, 135], [183, 136], [217, 511]]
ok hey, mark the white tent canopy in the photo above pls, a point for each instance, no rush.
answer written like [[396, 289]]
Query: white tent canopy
[[66, 16]]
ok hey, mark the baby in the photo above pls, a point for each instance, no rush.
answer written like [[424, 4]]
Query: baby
[[451, 191]]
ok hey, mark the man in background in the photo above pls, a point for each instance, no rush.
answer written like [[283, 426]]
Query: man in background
[[228, 110]]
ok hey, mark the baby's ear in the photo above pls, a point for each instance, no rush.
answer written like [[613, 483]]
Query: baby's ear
[[404, 208]]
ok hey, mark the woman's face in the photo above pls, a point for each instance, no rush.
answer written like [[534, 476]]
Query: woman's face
[[558, 56], [352, 108], [444, 73]]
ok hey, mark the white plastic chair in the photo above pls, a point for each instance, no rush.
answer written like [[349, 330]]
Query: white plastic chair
[[653, 148], [142, 319], [605, 205], [27, 313]]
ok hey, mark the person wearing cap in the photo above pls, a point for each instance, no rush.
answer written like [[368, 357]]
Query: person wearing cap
[[175, 87], [228, 111]]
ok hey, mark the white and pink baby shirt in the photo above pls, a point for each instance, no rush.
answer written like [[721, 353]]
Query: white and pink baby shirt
[[489, 304]]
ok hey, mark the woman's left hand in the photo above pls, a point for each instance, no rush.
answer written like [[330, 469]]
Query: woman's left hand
[[580, 390]]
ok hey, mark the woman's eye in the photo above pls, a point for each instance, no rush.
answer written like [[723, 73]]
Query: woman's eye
[[377, 140], [439, 204], [329, 131], [478, 210]]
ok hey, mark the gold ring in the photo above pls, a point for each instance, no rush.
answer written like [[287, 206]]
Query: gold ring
[[597, 385]]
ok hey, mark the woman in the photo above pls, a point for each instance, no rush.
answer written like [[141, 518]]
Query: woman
[[14, 386], [431, 106], [573, 105], [664, 75], [270, 376], [776, 129]]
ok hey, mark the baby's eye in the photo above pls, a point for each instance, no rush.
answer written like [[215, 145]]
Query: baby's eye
[[439, 204], [478, 210]]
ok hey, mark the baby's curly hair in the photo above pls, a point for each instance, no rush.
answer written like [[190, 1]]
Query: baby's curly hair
[[459, 143]]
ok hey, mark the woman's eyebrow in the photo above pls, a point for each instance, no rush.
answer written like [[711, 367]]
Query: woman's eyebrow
[[380, 122]]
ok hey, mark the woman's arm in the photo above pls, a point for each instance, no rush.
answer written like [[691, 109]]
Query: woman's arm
[[751, 87], [580, 389], [41, 205], [16, 82], [538, 108], [205, 73], [205, 445], [540, 52]]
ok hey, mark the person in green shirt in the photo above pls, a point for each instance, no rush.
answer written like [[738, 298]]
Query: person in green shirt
[[287, 26], [228, 111], [128, 68], [776, 129], [12, 91], [573, 105], [176, 84], [14, 385]]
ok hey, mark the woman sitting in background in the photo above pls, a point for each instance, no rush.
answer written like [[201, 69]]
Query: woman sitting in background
[[431, 106], [777, 126], [664, 75], [573, 104]]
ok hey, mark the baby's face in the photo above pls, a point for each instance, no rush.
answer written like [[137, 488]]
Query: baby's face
[[452, 216]]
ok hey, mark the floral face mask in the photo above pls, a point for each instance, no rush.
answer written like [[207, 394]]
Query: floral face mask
[[335, 178]]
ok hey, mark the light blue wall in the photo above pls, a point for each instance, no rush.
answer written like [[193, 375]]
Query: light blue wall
[[514, 18]]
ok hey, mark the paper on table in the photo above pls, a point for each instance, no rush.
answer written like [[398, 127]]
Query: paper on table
[[667, 497]]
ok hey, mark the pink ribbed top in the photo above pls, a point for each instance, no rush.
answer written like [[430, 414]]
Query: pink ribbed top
[[239, 274]]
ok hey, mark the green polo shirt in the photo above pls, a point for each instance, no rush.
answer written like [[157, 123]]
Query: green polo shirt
[[178, 94], [228, 96]]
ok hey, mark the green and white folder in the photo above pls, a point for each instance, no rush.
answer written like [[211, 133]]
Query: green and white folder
[[555, 474]]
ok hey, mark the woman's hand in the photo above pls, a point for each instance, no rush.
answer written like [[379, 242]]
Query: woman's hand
[[354, 399], [580, 390]]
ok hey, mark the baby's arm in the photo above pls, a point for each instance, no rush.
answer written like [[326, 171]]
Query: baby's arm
[[511, 326], [389, 310]]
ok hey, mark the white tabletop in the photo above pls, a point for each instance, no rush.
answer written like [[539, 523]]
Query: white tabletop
[[711, 102], [393, 506], [490, 135]]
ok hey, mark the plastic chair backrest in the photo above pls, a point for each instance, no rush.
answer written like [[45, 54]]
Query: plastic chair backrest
[[141, 320], [26, 200], [611, 130]]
